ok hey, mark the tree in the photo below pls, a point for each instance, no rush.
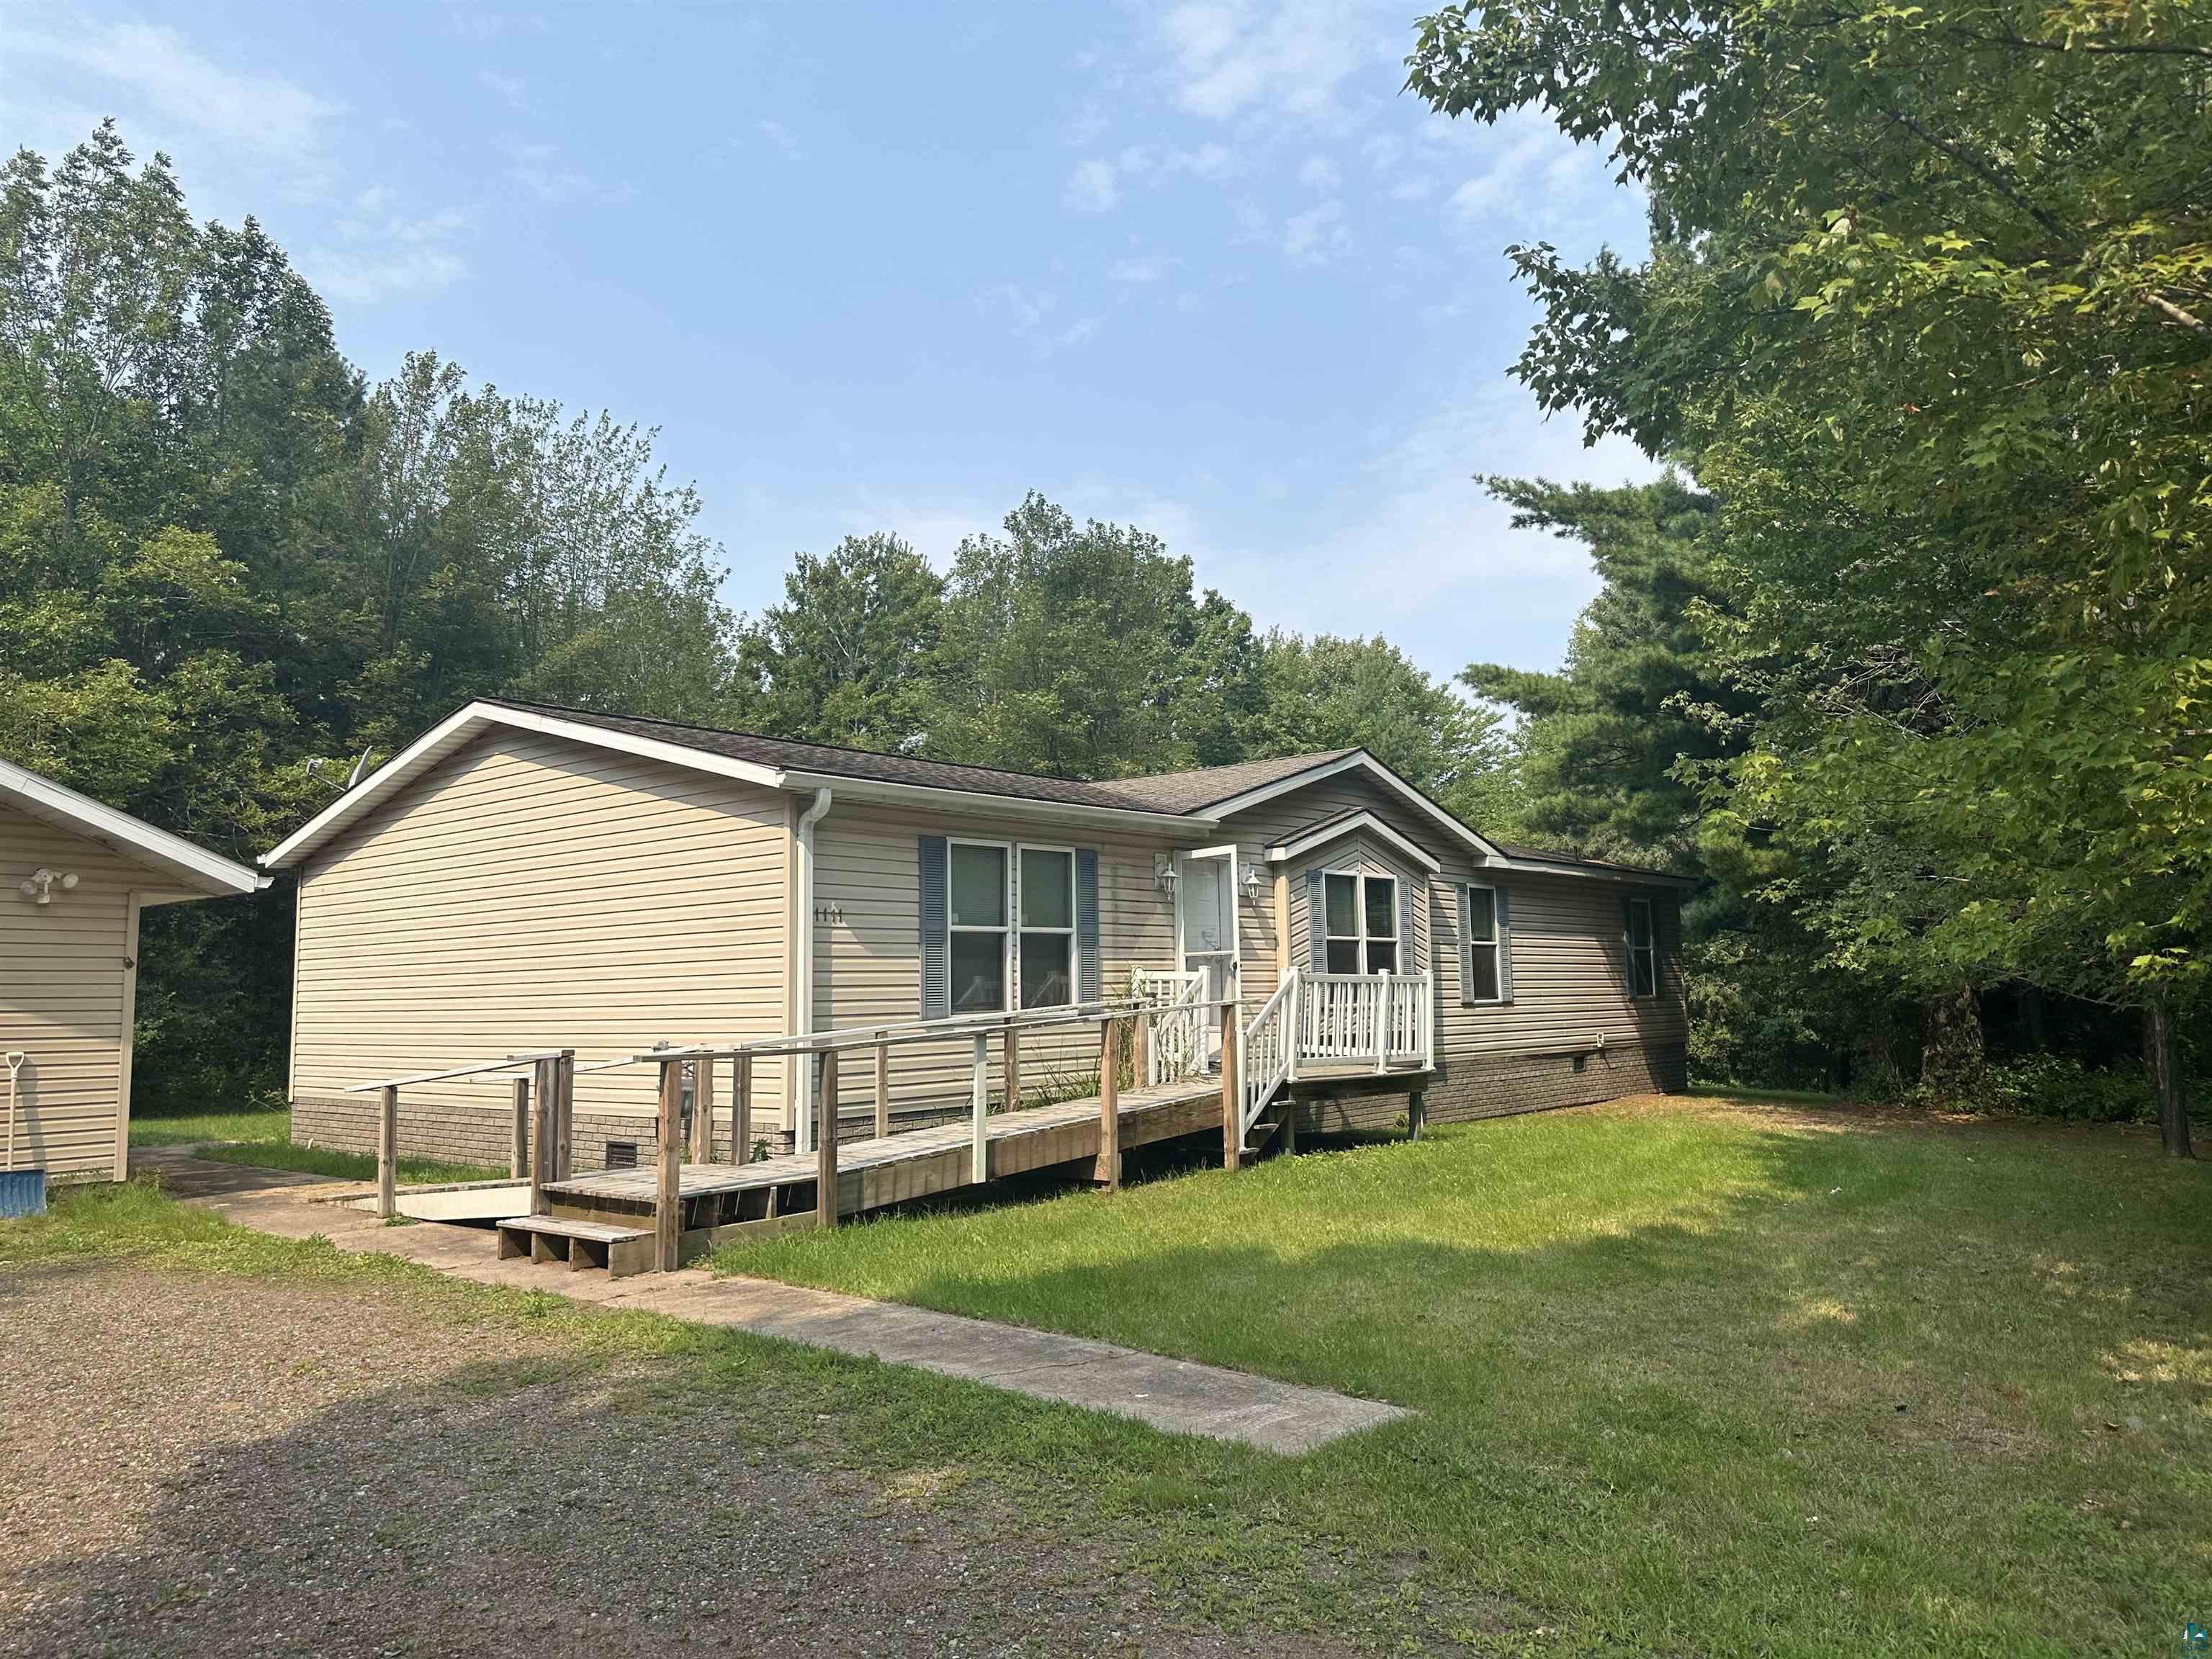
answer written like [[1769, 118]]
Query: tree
[[847, 658], [1332, 693], [1926, 309], [1080, 652], [1606, 738], [221, 557]]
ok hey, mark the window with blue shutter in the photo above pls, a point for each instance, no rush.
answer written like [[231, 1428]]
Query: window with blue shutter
[[936, 951], [1091, 982]]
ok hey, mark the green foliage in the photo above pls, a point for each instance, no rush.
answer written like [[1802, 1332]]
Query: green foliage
[[847, 657], [1080, 651], [1331, 693], [1926, 312], [1605, 739]]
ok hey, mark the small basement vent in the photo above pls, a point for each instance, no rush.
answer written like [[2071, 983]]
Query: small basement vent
[[1582, 1062], [622, 1154]]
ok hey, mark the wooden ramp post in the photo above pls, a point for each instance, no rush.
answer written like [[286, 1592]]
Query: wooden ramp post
[[1107, 1174], [387, 1150], [668, 1191], [702, 1109], [564, 1112], [1232, 1102], [825, 1152], [882, 1089], [741, 1110], [1013, 1069], [518, 1162], [544, 1120]]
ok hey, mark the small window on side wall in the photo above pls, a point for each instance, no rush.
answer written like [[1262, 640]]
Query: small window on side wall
[[1482, 976], [1642, 949]]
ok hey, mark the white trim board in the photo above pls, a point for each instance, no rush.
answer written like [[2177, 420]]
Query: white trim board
[[460, 727], [1361, 822], [1359, 760], [207, 875]]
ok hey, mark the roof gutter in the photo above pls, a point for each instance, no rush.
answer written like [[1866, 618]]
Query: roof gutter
[[980, 802], [802, 1066]]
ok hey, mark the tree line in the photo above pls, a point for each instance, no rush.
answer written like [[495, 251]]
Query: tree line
[[232, 568], [1924, 649]]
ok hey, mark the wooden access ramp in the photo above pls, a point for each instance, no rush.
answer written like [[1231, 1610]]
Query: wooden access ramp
[[722, 1202]]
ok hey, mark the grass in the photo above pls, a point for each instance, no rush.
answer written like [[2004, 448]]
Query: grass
[[281, 1154], [190, 1129], [264, 1139], [1697, 1378]]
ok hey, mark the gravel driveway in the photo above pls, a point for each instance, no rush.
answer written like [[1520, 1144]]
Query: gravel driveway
[[212, 1464]]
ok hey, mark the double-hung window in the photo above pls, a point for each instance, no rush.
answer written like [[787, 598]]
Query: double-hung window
[[1642, 949], [1046, 894], [1360, 923], [1482, 977], [976, 916]]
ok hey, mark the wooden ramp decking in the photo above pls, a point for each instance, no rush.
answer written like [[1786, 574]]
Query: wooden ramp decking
[[725, 1201]]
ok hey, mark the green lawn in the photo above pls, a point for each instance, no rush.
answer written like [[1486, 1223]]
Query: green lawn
[[186, 1129], [1692, 1378], [282, 1154], [264, 1139]]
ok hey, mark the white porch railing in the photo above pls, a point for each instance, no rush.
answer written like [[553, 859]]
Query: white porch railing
[[1178, 1046], [1376, 1020]]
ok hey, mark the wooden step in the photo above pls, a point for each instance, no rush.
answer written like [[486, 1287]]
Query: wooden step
[[582, 1244]]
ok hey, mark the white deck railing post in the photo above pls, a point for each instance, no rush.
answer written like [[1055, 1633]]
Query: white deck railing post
[[1294, 1024], [979, 1108], [1382, 1021]]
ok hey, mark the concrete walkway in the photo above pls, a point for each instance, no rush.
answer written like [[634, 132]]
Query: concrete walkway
[[1171, 1395]]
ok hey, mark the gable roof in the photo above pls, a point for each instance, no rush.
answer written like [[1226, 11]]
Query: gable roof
[[1189, 800], [1209, 785], [828, 760], [1344, 823], [207, 875]]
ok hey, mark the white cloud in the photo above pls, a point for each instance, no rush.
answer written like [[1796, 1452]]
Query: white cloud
[[1316, 234], [1526, 160], [1319, 172], [541, 170], [511, 88], [374, 253], [1093, 187], [59, 70], [780, 137], [1142, 268], [1284, 60]]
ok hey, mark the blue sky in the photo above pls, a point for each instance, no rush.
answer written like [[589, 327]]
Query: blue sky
[[1200, 267]]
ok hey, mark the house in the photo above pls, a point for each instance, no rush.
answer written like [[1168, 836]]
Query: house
[[76, 875], [524, 877]]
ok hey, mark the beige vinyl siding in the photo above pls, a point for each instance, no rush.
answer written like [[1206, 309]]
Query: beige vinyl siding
[[64, 998], [1276, 820], [532, 893], [867, 945], [1567, 949]]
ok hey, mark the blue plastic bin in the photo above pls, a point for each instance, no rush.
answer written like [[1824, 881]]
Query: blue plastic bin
[[22, 1192]]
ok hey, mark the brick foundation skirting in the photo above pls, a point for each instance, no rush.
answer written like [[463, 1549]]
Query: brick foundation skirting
[[1499, 1085], [1461, 1091]]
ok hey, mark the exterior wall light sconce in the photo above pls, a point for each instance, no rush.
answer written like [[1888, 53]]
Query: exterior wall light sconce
[[1164, 871], [38, 886]]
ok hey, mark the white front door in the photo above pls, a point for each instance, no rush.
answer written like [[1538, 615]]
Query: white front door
[[1205, 922]]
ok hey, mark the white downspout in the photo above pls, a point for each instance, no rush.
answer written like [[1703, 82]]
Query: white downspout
[[802, 1066]]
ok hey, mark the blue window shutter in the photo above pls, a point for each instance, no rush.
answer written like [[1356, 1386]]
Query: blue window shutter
[[1504, 945], [1407, 964], [1316, 924], [1086, 924], [936, 947], [1466, 945]]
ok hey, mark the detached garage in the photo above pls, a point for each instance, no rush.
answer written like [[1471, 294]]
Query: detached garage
[[74, 875]]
